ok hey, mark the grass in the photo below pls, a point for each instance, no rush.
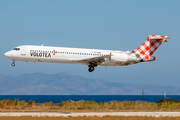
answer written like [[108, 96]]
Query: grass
[[87, 106]]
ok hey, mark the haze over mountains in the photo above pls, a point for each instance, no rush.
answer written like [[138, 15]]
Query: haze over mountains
[[67, 84]]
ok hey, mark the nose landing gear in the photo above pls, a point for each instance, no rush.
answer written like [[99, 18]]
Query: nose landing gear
[[13, 64]]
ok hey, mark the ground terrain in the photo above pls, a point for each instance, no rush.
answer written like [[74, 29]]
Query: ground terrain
[[90, 118]]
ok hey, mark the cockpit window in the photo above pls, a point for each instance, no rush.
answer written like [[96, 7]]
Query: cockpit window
[[16, 49]]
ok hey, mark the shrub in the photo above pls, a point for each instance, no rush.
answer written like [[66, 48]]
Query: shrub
[[31, 103], [46, 104], [12, 103], [168, 100]]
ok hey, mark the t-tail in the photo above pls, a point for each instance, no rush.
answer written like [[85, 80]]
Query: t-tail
[[146, 50]]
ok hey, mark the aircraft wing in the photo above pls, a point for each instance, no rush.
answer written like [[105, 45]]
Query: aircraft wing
[[96, 60]]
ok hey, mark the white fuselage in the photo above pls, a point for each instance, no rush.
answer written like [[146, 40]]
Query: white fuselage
[[90, 57], [69, 55]]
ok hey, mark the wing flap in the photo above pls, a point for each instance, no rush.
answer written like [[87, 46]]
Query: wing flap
[[94, 60]]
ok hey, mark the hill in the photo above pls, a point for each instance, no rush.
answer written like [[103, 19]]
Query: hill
[[67, 84]]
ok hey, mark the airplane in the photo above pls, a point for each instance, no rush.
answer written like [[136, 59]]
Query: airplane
[[90, 57]]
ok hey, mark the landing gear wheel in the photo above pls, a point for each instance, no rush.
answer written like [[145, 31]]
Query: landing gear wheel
[[91, 69], [13, 64]]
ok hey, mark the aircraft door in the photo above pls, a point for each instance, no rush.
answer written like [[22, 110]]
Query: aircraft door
[[110, 56], [23, 51]]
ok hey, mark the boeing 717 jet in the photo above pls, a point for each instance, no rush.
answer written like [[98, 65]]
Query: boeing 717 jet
[[90, 57]]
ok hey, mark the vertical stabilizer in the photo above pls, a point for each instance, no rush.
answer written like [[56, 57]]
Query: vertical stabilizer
[[144, 52]]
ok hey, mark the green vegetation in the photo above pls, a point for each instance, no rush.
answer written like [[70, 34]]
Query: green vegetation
[[168, 100], [87, 106]]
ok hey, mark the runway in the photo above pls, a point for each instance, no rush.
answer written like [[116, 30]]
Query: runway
[[90, 114]]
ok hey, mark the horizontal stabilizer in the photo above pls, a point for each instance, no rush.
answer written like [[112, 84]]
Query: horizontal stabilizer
[[158, 37]]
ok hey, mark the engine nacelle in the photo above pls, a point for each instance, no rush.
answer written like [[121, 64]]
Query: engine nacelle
[[121, 57], [132, 58]]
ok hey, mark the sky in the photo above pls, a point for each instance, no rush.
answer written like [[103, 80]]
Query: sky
[[98, 24]]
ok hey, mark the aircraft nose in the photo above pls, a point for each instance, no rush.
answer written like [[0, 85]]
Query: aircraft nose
[[7, 55]]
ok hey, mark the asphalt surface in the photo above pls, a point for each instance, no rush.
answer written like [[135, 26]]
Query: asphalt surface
[[99, 114]]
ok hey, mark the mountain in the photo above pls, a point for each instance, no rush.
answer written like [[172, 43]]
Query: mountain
[[67, 84]]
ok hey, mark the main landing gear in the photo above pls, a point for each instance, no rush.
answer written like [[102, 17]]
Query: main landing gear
[[13, 64], [91, 67]]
